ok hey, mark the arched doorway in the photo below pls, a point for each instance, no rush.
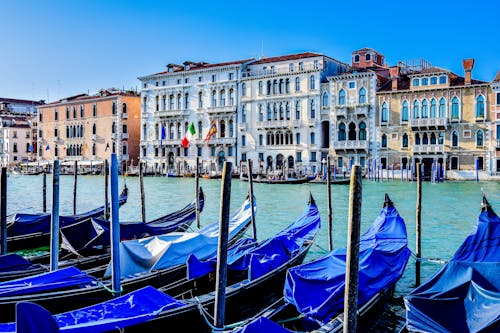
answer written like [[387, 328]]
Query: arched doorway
[[269, 165], [291, 163], [325, 134], [279, 161], [352, 131], [170, 160], [221, 159]]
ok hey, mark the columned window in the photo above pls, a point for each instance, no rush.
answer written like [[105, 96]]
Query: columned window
[[480, 106], [362, 95], [404, 111], [455, 108]]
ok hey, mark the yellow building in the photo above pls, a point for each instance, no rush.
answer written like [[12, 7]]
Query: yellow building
[[89, 128], [430, 115]]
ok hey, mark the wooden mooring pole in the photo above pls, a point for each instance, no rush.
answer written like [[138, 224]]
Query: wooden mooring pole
[[3, 210], [221, 278], [197, 182], [54, 222], [141, 183], [74, 187], [330, 217], [115, 228], [44, 192], [417, 225], [250, 193], [352, 259], [106, 191]]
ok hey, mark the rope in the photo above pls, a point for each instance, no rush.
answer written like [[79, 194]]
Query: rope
[[321, 248], [99, 283], [434, 260]]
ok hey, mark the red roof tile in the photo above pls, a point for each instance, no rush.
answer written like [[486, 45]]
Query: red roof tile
[[287, 57], [497, 77], [202, 65]]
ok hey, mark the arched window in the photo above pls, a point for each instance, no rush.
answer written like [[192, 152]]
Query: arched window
[[433, 108], [479, 138], [275, 112], [222, 127], [356, 58], [342, 133], [297, 138], [93, 149], [243, 114], [454, 139], [113, 109], [261, 113], [113, 128], [269, 112], [384, 117], [200, 128], [454, 108], [281, 111], [324, 99], [404, 111], [441, 138], [231, 97], [268, 138], [82, 111], [275, 87], [214, 98], [200, 100], [425, 109], [342, 97], [362, 95], [297, 110], [231, 128], [480, 107], [261, 87], [313, 138], [297, 83], [368, 57], [243, 89], [222, 98], [94, 129], [352, 131], [312, 82], [171, 132], [425, 139], [405, 140], [433, 139], [171, 102], [179, 101], [442, 107], [287, 109], [384, 140], [416, 109], [417, 139], [261, 139], [362, 131], [282, 86], [287, 86], [144, 132], [186, 101], [124, 108], [312, 109]]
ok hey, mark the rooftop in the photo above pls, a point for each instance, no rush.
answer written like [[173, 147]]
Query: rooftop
[[287, 57]]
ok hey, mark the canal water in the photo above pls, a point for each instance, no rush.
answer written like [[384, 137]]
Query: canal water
[[449, 210]]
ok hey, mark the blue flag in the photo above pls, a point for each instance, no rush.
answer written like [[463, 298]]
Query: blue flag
[[30, 148], [163, 135], [47, 148]]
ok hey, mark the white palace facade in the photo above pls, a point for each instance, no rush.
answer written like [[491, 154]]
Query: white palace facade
[[272, 110]]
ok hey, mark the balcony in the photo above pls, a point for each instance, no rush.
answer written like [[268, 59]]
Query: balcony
[[278, 124], [124, 115], [171, 113], [222, 141], [94, 137], [437, 123], [281, 71], [428, 149], [114, 136], [362, 110], [351, 144], [243, 127], [124, 136], [497, 143], [221, 109], [341, 111]]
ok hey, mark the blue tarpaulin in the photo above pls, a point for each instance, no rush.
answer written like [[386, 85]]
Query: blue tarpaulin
[[262, 325], [14, 262], [165, 251], [316, 289], [136, 307], [261, 258], [464, 296], [66, 278], [24, 224]]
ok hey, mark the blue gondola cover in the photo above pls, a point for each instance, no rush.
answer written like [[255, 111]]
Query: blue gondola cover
[[316, 289], [262, 325], [14, 262], [261, 258], [136, 307], [464, 296]]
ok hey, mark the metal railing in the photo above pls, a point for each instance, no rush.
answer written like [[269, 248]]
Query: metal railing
[[425, 149], [351, 144], [429, 122]]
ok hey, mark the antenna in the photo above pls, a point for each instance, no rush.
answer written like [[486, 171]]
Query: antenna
[[261, 49]]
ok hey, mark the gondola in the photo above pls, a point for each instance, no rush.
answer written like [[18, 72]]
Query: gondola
[[255, 272], [264, 180], [345, 181], [30, 231], [70, 288], [464, 295], [89, 240], [314, 292]]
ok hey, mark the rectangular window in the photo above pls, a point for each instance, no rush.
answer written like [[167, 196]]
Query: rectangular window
[[212, 151], [313, 156], [199, 151], [301, 66], [299, 156], [156, 151], [231, 76], [230, 151], [143, 151], [156, 83], [199, 78], [352, 85], [383, 161], [434, 80], [316, 64], [340, 162], [292, 67], [186, 80], [442, 79], [416, 82], [214, 77], [362, 161], [498, 98], [186, 153], [163, 83], [261, 156], [243, 140], [178, 81], [498, 132], [56, 115], [454, 163], [425, 81], [244, 157]]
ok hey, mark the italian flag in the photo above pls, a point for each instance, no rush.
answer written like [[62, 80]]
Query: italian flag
[[189, 136]]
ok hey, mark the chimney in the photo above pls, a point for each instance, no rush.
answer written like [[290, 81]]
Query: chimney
[[394, 73], [468, 66]]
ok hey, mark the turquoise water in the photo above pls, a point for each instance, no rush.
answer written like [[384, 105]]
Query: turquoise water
[[449, 210]]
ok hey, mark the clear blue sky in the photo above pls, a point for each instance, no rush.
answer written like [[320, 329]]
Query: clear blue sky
[[53, 49]]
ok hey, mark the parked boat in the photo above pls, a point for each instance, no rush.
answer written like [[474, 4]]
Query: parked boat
[[255, 272], [91, 239], [277, 180], [464, 295], [314, 292], [160, 262], [29, 231], [345, 181]]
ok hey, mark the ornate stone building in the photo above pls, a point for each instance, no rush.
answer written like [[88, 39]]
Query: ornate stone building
[[429, 114], [495, 118]]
